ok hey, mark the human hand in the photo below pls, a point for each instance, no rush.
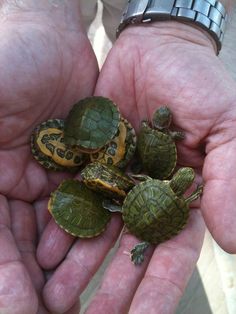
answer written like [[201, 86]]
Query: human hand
[[47, 64], [174, 64]]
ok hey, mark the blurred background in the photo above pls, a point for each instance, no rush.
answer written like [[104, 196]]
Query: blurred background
[[212, 288]]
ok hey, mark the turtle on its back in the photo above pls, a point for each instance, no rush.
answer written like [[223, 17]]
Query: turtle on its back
[[107, 179], [49, 149]]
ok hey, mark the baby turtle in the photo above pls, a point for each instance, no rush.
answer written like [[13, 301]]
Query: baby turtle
[[92, 123], [49, 149], [156, 147], [109, 180], [78, 210], [155, 210], [120, 150]]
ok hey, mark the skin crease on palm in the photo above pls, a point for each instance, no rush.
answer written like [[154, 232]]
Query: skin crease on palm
[[46, 65]]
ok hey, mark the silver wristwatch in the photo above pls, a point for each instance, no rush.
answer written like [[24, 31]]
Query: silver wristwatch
[[208, 14]]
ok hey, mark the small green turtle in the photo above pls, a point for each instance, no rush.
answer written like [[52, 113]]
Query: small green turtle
[[156, 145], [106, 179], [155, 211], [78, 210], [49, 149], [91, 124], [120, 150]]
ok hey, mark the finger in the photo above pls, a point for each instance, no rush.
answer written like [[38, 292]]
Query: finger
[[119, 91], [42, 309], [54, 241], [75, 272], [17, 294], [219, 197], [53, 245], [169, 270], [75, 308], [24, 229], [120, 280], [42, 215]]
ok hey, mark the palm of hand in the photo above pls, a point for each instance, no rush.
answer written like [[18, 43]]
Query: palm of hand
[[201, 95], [41, 79], [149, 72], [48, 83]]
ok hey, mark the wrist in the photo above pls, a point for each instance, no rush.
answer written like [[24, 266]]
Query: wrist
[[209, 15], [61, 15], [169, 32], [228, 4]]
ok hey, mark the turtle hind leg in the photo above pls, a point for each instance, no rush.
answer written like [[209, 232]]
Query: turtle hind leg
[[137, 253]]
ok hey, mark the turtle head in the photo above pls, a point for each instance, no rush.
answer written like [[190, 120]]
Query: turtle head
[[162, 118], [182, 180]]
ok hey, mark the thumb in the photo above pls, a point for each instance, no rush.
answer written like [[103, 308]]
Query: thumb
[[219, 197], [117, 82]]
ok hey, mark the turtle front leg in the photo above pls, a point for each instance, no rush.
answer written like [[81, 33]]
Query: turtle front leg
[[177, 135], [196, 194], [137, 253]]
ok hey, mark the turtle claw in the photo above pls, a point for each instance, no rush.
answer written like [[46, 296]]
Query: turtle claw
[[177, 135], [137, 253], [125, 230]]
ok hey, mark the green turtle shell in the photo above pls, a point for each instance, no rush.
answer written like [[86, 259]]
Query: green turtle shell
[[157, 152], [120, 150], [78, 210], [106, 179], [92, 123], [49, 149], [152, 212]]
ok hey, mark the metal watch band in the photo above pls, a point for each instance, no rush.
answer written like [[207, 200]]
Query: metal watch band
[[208, 14]]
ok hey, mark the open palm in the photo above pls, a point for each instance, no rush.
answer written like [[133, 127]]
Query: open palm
[[176, 65], [193, 82], [47, 65], [42, 76]]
